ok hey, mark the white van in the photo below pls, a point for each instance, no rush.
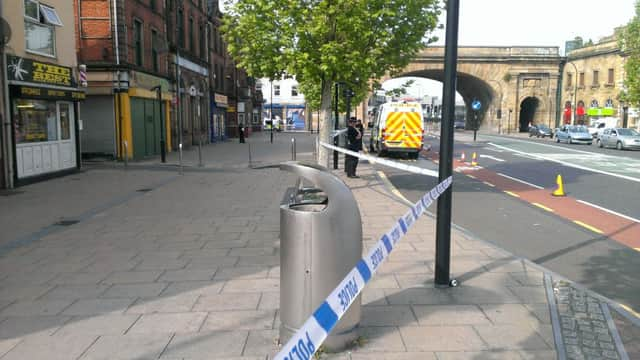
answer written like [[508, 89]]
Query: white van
[[598, 125], [398, 127]]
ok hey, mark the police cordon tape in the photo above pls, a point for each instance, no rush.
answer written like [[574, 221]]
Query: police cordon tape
[[338, 132], [373, 159], [306, 341]]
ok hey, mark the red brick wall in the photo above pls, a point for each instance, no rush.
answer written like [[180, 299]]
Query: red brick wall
[[95, 27]]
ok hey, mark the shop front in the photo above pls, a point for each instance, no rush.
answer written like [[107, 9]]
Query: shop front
[[44, 108], [218, 119]]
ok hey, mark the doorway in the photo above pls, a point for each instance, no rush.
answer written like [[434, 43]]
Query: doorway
[[528, 109]]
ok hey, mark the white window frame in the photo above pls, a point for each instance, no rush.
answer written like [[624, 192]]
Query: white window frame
[[37, 10], [48, 13], [46, 23]]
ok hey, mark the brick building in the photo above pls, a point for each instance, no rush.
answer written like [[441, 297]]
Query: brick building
[[123, 44], [187, 28]]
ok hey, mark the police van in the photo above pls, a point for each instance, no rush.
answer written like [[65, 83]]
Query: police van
[[398, 127]]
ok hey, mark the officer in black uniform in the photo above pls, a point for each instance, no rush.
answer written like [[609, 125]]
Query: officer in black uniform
[[354, 143], [241, 133]]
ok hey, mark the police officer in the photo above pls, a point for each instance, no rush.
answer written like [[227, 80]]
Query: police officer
[[241, 133], [354, 143]]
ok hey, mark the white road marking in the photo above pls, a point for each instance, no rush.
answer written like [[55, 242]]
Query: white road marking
[[609, 211], [492, 149], [544, 157], [527, 156], [521, 181], [491, 157]]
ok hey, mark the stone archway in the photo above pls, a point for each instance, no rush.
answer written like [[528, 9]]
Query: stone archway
[[470, 87], [528, 109]]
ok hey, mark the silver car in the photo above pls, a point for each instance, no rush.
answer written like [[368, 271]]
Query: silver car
[[620, 138], [574, 134]]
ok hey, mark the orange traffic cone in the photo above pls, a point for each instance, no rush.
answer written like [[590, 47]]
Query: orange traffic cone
[[560, 190], [474, 160], [462, 157]]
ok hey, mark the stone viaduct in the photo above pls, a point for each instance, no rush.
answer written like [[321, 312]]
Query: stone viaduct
[[516, 85]]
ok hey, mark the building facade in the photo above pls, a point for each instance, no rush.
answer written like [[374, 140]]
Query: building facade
[[218, 99], [593, 79], [42, 98], [187, 27], [284, 103], [122, 43]]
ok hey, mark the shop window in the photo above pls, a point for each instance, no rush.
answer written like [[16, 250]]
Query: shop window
[[35, 121], [610, 77], [276, 90], [294, 91], [65, 122], [39, 23], [137, 40]]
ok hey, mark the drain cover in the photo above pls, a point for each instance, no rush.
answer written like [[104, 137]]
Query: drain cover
[[144, 190], [66, 222]]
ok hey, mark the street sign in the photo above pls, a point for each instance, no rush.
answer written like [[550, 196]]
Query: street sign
[[476, 105]]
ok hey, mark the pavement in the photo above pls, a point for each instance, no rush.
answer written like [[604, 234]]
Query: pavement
[[162, 261]]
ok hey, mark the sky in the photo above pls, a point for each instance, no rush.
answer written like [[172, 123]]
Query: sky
[[529, 23]]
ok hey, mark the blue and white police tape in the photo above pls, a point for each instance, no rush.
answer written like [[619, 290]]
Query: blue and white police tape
[[373, 159], [306, 341], [338, 132]]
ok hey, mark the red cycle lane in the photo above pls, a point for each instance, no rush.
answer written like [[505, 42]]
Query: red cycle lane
[[615, 227]]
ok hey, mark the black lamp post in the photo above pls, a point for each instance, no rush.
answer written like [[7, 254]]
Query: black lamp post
[[271, 111], [335, 126], [509, 122], [445, 167], [163, 152], [575, 95]]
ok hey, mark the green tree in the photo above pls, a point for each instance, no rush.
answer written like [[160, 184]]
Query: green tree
[[399, 91], [322, 42], [629, 41]]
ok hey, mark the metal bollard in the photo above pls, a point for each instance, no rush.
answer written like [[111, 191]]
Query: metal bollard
[[126, 155], [180, 157], [293, 149], [250, 164]]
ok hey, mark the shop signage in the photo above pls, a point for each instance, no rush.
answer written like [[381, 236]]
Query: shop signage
[[21, 69], [221, 100], [44, 93]]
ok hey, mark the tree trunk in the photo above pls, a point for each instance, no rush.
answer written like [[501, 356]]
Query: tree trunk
[[326, 123]]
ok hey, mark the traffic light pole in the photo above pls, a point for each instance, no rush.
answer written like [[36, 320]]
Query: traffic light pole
[[445, 168]]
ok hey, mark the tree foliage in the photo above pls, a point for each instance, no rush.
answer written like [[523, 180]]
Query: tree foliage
[[629, 40], [322, 42]]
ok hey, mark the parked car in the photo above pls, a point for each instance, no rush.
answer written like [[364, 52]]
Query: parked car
[[458, 125], [574, 134], [620, 138], [540, 130]]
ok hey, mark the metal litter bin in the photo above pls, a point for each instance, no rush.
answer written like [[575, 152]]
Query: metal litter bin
[[320, 242]]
